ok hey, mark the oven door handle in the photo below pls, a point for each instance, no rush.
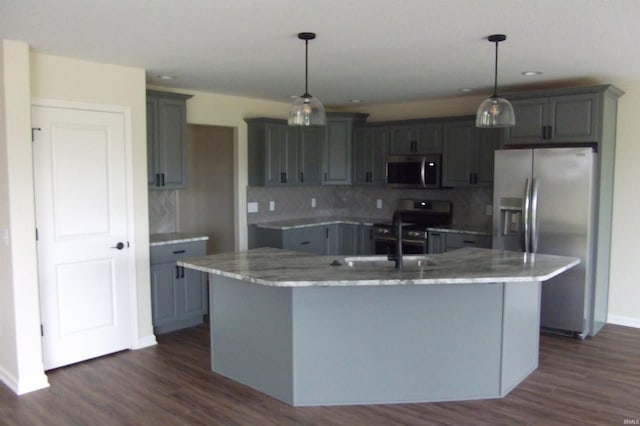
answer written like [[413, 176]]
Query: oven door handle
[[423, 172]]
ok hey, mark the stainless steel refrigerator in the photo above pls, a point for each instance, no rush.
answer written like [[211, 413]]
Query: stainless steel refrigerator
[[544, 202]]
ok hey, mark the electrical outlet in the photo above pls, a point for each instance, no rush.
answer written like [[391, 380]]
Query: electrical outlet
[[272, 206], [379, 203], [313, 202], [252, 207]]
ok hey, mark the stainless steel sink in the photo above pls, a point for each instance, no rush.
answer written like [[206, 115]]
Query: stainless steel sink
[[419, 261]]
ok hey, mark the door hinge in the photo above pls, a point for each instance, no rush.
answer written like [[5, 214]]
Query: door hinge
[[33, 130], [41, 330]]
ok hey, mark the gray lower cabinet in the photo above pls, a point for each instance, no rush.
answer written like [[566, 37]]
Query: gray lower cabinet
[[415, 139], [439, 242], [369, 152], [166, 134], [332, 240], [178, 295], [467, 154]]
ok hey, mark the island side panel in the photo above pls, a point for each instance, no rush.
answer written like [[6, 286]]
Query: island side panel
[[388, 344], [251, 339], [520, 345]]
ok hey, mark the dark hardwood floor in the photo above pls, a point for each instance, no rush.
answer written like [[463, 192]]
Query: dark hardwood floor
[[596, 381]]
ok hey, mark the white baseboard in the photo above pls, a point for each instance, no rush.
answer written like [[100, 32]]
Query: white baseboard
[[626, 321], [20, 387], [145, 342]]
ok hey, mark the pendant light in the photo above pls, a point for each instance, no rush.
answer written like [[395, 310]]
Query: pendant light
[[307, 110], [495, 111]]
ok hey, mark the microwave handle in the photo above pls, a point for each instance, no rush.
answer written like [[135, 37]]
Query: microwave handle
[[422, 172]]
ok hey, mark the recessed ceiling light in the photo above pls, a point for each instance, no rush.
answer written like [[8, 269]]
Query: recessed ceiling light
[[167, 77], [465, 90], [529, 73]]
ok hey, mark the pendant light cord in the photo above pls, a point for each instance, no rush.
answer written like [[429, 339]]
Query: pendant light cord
[[495, 75], [306, 69]]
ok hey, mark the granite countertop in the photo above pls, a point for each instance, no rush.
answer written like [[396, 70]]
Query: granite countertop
[[175, 238], [317, 221], [284, 268]]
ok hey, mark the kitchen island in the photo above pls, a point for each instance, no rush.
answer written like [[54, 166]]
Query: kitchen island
[[327, 330]]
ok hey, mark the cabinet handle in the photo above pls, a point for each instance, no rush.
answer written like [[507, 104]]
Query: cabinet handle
[[326, 233], [157, 179], [549, 131], [178, 251], [325, 176], [301, 176], [162, 175], [182, 272], [414, 146], [177, 272], [304, 243], [469, 241]]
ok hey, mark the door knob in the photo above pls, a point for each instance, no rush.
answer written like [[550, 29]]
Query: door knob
[[119, 246]]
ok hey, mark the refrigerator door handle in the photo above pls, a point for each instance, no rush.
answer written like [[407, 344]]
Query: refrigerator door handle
[[534, 216], [526, 234]]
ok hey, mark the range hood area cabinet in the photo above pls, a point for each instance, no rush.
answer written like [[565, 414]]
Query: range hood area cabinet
[[416, 139], [282, 155], [166, 136], [561, 116], [467, 154]]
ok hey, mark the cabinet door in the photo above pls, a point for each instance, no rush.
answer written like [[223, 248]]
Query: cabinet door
[[367, 245], [458, 154], [401, 140], [531, 117], [361, 142], [195, 299], [171, 135], [275, 155], [573, 118], [164, 308], [486, 143], [348, 235], [310, 155], [377, 157], [152, 141], [308, 239], [428, 138], [456, 241], [436, 242], [337, 155], [331, 240]]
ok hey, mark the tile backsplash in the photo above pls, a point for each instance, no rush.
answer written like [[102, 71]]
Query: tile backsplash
[[469, 205], [163, 211]]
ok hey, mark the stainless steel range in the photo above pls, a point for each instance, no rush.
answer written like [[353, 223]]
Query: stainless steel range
[[417, 217]]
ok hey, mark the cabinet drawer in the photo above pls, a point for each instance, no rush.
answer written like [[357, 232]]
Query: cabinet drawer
[[456, 241], [173, 252]]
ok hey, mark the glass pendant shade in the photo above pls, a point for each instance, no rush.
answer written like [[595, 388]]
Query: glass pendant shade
[[307, 111], [495, 112]]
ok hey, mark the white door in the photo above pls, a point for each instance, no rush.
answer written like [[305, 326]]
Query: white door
[[81, 215]]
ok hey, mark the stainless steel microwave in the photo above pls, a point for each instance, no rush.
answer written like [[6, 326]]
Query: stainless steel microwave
[[413, 171]]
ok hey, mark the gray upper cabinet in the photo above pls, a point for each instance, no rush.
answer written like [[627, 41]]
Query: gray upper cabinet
[[338, 147], [467, 154], [310, 143], [571, 118], [166, 135], [415, 139], [369, 152], [281, 155]]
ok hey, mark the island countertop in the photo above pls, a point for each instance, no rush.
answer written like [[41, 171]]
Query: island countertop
[[284, 268]]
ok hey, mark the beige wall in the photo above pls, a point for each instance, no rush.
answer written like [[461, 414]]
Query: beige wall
[[624, 294], [21, 365]]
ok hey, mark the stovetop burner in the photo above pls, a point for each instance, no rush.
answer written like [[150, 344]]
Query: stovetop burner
[[418, 215]]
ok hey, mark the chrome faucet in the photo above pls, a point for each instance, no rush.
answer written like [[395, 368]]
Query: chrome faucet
[[397, 225]]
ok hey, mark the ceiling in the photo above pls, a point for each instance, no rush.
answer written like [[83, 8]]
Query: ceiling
[[376, 51]]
